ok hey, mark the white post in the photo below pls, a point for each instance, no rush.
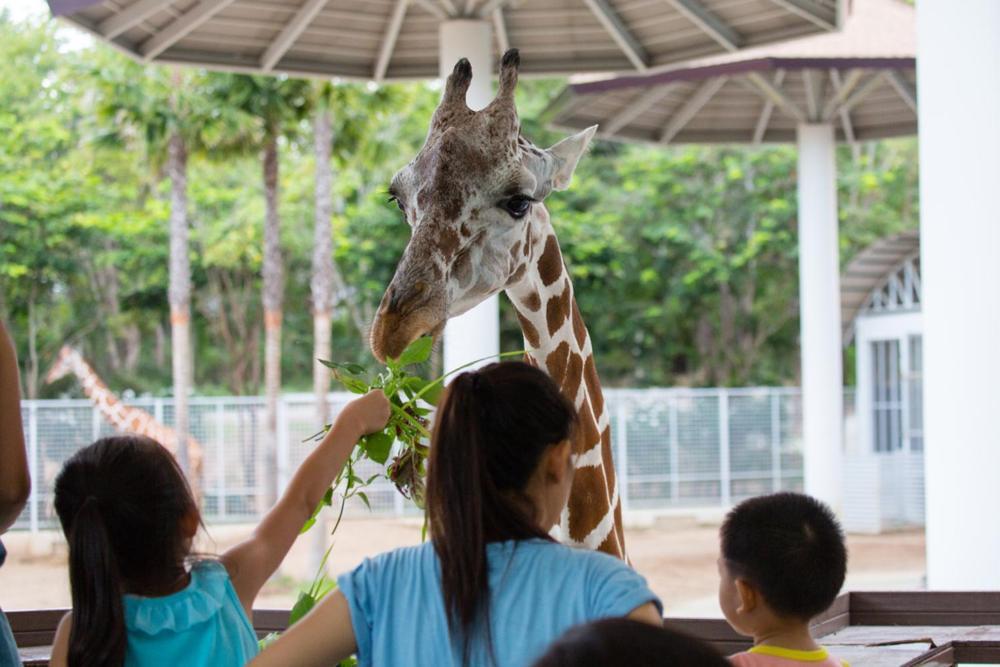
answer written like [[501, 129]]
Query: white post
[[958, 79], [819, 309], [725, 469], [33, 510], [475, 334]]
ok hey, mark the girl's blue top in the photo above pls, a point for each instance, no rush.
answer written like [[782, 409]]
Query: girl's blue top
[[203, 625], [8, 649], [538, 590]]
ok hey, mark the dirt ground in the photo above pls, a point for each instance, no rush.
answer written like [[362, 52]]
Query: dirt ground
[[677, 555]]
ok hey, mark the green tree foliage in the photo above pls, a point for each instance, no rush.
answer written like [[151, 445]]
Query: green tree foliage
[[684, 259]]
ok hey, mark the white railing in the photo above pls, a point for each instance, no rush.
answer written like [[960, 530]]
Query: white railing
[[674, 448]]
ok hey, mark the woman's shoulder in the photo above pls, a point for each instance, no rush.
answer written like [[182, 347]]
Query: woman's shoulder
[[199, 601]]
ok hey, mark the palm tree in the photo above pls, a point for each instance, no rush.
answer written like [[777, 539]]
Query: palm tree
[[165, 111], [273, 108]]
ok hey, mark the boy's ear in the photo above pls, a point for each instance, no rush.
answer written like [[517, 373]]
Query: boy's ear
[[558, 463], [748, 596], [567, 154]]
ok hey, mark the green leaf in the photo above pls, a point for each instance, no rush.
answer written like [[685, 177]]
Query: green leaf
[[418, 352], [428, 391], [325, 501], [352, 369], [378, 446], [364, 497], [302, 606]]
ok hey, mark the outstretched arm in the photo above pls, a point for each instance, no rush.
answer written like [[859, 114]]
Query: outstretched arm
[[15, 484], [324, 637], [252, 562]]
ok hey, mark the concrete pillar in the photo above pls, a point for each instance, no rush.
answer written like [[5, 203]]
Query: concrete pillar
[[475, 334], [958, 77], [819, 310]]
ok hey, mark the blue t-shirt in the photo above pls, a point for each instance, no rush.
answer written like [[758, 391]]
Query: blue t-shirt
[[8, 649], [538, 590], [203, 625]]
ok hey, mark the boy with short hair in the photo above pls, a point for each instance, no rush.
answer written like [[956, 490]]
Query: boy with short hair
[[783, 562]]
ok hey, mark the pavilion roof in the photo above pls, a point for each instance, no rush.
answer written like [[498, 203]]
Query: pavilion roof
[[862, 78], [871, 269], [398, 39]]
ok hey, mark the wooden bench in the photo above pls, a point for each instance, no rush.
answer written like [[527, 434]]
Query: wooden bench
[[904, 629]]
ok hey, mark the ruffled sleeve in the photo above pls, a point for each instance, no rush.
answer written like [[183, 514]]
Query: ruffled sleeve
[[200, 601]]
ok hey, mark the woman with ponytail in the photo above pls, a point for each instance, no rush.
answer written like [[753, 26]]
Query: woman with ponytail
[[139, 598], [491, 587]]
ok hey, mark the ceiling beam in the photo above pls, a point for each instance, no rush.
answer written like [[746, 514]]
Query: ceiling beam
[[500, 27], [389, 39], [488, 8], [765, 113], [810, 11], [905, 89], [635, 108], [863, 91], [449, 7], [710, 24], [845, 119], [470, 7], [776, 95], [694, 104], [433, 8], [132, 16], [619, 32], [814, 93], [180, 28], [845, 89], [279, 47]]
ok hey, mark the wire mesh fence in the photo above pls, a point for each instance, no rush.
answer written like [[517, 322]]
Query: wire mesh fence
[[673, 448]]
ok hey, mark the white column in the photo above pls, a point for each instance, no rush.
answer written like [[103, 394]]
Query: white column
[[476, 334], [819, 311], [958, 77]]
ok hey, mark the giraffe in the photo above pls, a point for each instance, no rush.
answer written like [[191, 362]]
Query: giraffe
[[123, 417], [473, 198]]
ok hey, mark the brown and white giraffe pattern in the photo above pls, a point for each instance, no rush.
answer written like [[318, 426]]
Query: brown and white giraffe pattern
[[123, 417], [458, 195]]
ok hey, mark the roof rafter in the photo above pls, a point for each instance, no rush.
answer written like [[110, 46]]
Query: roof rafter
[[765, 113], [709, 23], [181, 27], [470, 7], [619, 32], [500, 27], [845, 119], [635, 108], [814, 93], [130, 17], [389, 40], [449, 7], [776, 95], [433, 8], [905, 89], [279, 47], [810, 11], [694, 104], [488, 8], [863, 91], [845, 89]]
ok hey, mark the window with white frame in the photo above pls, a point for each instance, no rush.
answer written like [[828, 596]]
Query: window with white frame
[[887, 406], [915, 389]]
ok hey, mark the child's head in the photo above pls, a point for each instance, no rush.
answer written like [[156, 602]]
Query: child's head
[[783, 559], [500, 469], [129, 518], [620, 641]]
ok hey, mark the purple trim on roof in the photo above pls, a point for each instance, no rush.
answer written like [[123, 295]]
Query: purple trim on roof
[[66, 7], [736, 68]]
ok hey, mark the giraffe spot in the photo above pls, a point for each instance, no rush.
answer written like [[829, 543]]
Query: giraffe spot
[[556, 362], [533, 302], [518, 275], [464, 229], [593, 385], [578, 327], [550, 266], [557, 310], [574, 376], [514, 250], [462, 270], [588, 435], [448, 242], [529, 330], [588, 502]]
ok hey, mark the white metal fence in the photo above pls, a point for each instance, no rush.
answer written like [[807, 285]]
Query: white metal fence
[[673, 447]]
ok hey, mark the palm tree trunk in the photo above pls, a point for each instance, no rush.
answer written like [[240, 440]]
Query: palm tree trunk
[[179, 294], [273, 303]]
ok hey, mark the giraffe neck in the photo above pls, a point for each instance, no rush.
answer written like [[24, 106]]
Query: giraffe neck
[[119, 415], [558, 341]]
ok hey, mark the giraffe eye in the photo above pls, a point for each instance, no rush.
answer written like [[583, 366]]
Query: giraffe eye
[[517, 206], [395, 200]]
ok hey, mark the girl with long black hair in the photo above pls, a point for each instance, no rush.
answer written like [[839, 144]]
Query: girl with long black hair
[[130, 519], [491, 587]]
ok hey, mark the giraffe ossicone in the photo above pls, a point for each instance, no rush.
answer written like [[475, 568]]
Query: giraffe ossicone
[[473, 197]]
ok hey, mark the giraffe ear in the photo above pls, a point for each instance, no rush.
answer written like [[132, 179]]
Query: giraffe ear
[[567, 154]]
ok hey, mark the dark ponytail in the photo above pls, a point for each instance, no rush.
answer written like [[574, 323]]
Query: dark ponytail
[[490, 433], [122, 502], [98, 632]]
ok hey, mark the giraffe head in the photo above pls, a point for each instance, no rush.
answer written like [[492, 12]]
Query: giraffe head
[[473, 198], [64, 365]]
